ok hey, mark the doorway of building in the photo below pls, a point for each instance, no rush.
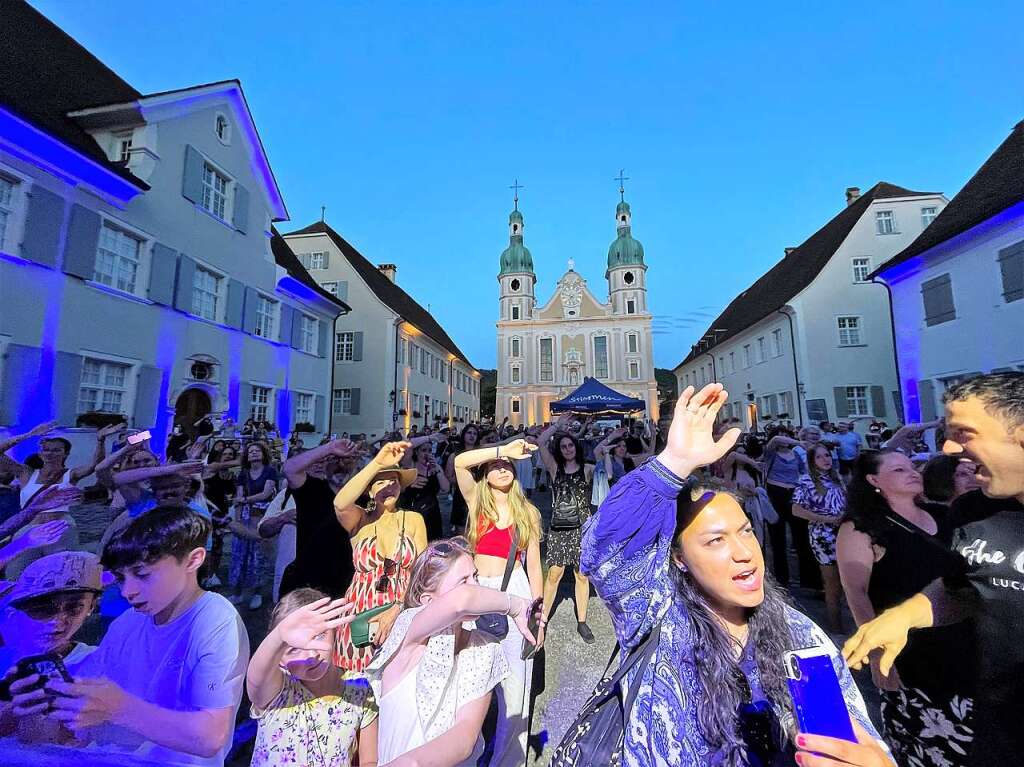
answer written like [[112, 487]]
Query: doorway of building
[[192, 405]]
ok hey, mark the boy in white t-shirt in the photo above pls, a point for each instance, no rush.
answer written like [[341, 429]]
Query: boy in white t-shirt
[[166, 681]]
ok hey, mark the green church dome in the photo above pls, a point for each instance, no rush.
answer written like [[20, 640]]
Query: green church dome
[[624, 251], [516, 257]]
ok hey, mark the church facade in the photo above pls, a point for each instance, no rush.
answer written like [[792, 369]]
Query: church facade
[[546, 349]]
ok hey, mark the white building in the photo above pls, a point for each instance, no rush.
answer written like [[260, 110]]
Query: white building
[[811, 339], [393, 363], [545, 351], [958, 290], [138, 272]]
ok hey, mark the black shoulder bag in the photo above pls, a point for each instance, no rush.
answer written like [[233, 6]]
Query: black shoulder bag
[[496, 624], [597, 737]]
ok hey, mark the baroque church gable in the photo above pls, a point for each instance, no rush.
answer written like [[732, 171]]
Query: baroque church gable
[[573, 300]]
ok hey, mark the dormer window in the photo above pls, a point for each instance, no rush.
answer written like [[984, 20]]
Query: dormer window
[[123, 147], [222, 128]]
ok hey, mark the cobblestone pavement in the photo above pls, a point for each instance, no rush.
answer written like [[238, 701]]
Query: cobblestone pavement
[[564, 674]]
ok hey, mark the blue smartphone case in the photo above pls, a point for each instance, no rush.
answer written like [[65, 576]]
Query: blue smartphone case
[[817, 697]]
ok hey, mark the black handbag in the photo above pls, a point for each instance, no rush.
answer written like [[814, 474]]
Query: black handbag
[[566, 516], [598, 735], [496, 624]]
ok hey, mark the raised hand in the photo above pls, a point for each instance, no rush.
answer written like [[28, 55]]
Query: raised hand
[[344, 448], [43, 428], [113, 428], [189, 467], [307, 628], [55, 497], [518, 450], [44, 535], [691, 441], [391, 453], [821, 751]]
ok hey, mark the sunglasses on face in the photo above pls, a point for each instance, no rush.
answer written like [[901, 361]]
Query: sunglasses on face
[[49, 607]]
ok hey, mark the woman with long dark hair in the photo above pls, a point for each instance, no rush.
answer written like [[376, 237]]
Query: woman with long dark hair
[[421, 495], [255, 489], [891, 545], [469, 439], [562, 456], [820, 499], [683, 561]]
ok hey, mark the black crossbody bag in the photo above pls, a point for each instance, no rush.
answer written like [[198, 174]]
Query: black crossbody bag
[[496, 624]]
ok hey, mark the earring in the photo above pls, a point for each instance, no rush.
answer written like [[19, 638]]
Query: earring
[[878, 490]]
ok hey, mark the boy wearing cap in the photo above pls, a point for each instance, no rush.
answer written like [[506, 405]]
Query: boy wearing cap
[[166, 680]]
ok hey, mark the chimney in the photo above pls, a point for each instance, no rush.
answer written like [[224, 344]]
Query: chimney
[[388, 270], [852, 194], [789, 250]]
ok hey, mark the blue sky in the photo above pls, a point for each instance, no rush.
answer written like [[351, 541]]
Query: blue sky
[[739, 124]]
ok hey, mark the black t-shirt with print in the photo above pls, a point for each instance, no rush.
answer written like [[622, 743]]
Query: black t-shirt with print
[[323, 551], [989, 534]]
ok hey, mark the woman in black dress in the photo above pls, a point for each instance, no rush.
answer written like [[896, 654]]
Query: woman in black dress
[[891, 545], [421, 495], [469, 439]]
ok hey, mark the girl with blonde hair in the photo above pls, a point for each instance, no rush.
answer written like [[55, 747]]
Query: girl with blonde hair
[[502, 523]]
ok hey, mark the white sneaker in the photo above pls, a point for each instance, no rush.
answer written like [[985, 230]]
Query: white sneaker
[[235, 599], [256, 602]]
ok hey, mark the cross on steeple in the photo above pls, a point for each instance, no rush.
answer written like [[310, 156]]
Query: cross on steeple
[[622, 177], [515, 190]]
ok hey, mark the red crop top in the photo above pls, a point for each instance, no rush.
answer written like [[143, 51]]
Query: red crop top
[[495, 542]]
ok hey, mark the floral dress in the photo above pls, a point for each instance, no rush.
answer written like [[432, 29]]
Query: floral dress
[[626, 555], [830, 503], [298, 728], [373, 567]]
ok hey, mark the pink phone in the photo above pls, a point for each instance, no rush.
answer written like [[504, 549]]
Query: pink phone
[[142, 436]]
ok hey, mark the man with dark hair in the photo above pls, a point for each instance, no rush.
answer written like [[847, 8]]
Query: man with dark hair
[[984, 424], [165, 683]]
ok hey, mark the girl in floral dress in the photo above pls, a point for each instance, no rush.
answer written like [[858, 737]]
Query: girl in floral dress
[[820, 498], [308, 713], [385, 542]]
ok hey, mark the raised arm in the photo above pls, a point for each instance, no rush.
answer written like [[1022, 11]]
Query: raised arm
[[466, 602], [780, 441], [517, 449], [626, 548], [132, 476], [295, 467], [99, 453], [906, 436], [346, 498], [16, 467], [544, 440], [105, 468]]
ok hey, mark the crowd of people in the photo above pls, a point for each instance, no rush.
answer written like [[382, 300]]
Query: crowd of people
[[401, 636]]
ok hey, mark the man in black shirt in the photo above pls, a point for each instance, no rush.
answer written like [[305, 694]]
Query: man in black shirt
[[323, 552], [984, 424]]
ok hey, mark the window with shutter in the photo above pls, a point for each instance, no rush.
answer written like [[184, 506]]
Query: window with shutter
[[1011, 266], [937, 294]]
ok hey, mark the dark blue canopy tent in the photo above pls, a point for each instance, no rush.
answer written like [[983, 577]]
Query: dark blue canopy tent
[[593, 397]]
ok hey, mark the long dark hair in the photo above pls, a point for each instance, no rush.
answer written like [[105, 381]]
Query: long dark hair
[[714, 649], [866, 507], [939, 476], [816, 473]]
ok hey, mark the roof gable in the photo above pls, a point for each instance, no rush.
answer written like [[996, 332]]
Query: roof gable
[[45, 74], [998, 185], [796, 270], [285, 257], [393, 296], [588, 306]]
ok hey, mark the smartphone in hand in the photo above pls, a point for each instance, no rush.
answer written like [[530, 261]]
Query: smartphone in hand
[[47, 666], [817, 697]]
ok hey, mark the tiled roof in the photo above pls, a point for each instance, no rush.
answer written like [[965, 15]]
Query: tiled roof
[[400, 302], [45, 74], [997, 185], [285, 257], [796, 271]]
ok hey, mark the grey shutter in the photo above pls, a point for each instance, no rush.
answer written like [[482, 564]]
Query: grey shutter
[[878, 401], [192, 178], [938, 300], [20, 372], [249, 313], [233, 310], [67, 379], [296, 341], [357, 346], [327, 259], [244, 402], [320, 413], [343, 290], [284, 333], [354, 409], [1011, 264], [82, 240], [926, 399], [186, 278], [304, 260], [842, 407], [43, 221], [147, 396], [897, 405], [321, 345], [162, 267], [293, 407], [240, 210]]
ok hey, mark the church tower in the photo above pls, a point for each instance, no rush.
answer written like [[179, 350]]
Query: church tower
[[516, 297], [626, 274]]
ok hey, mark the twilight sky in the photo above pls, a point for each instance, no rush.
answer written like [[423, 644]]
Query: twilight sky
[[740, 128]]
